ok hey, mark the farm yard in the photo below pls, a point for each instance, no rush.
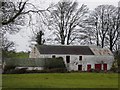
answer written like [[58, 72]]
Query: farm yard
[[60, 80]]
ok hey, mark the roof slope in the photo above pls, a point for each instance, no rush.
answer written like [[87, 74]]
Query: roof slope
[[73, 50]]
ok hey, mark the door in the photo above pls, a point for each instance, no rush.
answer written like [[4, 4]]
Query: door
[[104, 67], [88, 67], [98, 67], [80, 67]]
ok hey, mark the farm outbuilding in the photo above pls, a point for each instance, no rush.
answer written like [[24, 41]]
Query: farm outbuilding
[[82, 58]]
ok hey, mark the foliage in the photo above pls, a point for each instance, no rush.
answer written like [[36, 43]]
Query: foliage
[[49, 64], [117, 57], [54, 70], [8, 69], [60, 80], [35, 62], [13, 55], [116, 63], [39, 38], [12, 70]]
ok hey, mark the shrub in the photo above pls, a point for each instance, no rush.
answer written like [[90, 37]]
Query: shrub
[[114, 69], [92, 70], [54, 70], [16, 71], [20, 71], [8, 69]]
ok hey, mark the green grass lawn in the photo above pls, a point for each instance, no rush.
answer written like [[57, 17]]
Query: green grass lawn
[[61, 80], [12, 54]]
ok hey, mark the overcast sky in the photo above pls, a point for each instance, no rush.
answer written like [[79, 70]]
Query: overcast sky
[[22, 38]]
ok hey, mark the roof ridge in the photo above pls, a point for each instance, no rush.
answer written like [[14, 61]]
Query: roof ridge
[[66, 45]]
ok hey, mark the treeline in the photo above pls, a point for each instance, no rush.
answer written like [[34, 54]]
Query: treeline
[[66, 23], [71, 23]]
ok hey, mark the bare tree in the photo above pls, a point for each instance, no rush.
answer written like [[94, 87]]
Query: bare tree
[[7, 44], [102, 22], [13, 13], [114, 28], [105, 22], [66, 20], [92, 27], [16, 14]]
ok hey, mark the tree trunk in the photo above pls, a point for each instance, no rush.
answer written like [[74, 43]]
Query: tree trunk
[[102, 42]]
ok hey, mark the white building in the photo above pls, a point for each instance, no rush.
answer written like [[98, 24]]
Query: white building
[[82, 58]]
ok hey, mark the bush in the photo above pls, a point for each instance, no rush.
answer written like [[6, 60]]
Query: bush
[[8, 69], [20, 71], [15, 71], [92, 70], [55, 70], [115, 70], [52, 70], [97, 71], [24, 70]]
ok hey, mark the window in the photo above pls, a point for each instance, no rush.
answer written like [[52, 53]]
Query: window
[[68, 59], [53, 56], [80, 58]]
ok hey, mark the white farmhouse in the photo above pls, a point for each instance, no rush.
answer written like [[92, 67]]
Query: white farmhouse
[[83, 58]]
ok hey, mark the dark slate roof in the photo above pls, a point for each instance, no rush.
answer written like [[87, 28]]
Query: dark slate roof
[[73, 50]]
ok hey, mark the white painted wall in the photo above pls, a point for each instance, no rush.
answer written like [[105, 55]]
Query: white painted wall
[[34, 53], [74, 60], [86, 59], [98, 59]]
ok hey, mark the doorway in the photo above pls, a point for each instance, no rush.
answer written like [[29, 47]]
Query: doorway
[[68, 59], [88, 67], [98, 67], [105, 67], [80, 67]]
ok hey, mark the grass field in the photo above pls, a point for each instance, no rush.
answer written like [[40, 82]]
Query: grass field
[[61, 80], [11, 54]]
